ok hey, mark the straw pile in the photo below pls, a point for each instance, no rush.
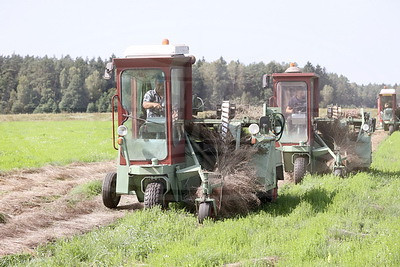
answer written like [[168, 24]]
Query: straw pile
[[340, 137], [238, 194]]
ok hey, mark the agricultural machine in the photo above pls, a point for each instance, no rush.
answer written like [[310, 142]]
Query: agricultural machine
[[159, 159], [388, 112], [312, 143]]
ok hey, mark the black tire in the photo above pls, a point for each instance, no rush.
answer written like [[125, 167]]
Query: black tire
[[338, 172], [300, 164], [109, 195], [153, 195], [391, 129], [204, 211]]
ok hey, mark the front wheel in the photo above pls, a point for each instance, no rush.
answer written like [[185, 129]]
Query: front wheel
[[300, 164], [109, 195], [204, 211], [153, 195], [385, 127], [338, 172]]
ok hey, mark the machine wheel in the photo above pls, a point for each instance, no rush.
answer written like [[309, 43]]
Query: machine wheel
[[269, 196], [338, 172], [204, 211], [385, 127], [300, 164], [391, 129], [153, 195], [110, 197]]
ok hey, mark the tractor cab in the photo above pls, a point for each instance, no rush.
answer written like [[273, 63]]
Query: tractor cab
[[387, 107], [296, 95], [154, 99]]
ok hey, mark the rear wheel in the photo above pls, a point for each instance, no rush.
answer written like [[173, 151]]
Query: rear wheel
[[391, 129], [300, 164], [153, 195], [109, 195], [204, 211]]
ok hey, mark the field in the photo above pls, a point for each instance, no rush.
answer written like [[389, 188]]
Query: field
[[325, 220], [56, 139]]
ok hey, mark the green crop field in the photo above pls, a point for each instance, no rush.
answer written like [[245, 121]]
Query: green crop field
[[35, 140], [324, 221]]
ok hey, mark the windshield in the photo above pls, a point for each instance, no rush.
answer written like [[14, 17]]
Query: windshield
[[386, 107], [386, 101], [292, 98], [142, 98]]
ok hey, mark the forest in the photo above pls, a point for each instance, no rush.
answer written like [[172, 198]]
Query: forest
[[31, 84]]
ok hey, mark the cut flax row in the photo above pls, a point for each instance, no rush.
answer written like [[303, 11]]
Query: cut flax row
[[234, 168], [340, 137]]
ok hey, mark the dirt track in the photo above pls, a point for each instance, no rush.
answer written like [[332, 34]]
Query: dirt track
[[377, 137], [38, 207]]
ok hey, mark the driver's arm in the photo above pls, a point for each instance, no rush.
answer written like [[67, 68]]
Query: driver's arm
[[148, 102], [148, 105]]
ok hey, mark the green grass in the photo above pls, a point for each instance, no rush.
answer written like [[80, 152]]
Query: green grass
[[325, 220], [386, 159], [54, 139], [88, 190]]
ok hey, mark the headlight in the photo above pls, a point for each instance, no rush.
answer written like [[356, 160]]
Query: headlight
[[122, 130], [254, 129], [365, 127]]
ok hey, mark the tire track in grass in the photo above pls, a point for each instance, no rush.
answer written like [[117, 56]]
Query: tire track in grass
[[38, 207]]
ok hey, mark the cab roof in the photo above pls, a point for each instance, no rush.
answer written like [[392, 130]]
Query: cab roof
[[387, 91], [138, 51], [294, 74]]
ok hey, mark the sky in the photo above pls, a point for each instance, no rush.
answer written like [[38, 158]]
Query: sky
[[359, 39]]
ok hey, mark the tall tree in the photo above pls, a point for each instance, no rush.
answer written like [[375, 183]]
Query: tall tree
[[95, 85], [198, 79], [9, 69], [27, 98], [75, 97], [327, 96], [236, 78]]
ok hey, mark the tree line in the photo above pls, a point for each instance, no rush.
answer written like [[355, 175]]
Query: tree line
[[51, 85]]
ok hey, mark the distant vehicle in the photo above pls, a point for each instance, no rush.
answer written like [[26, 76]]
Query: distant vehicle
[[304, 147], [388, 111]]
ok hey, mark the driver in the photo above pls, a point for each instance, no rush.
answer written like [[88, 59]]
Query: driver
[[297, 104], [153, 100]]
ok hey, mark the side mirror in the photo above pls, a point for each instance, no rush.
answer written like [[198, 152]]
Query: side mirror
[[265, 124], [197, 104], [265, 81], [108, 72]]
